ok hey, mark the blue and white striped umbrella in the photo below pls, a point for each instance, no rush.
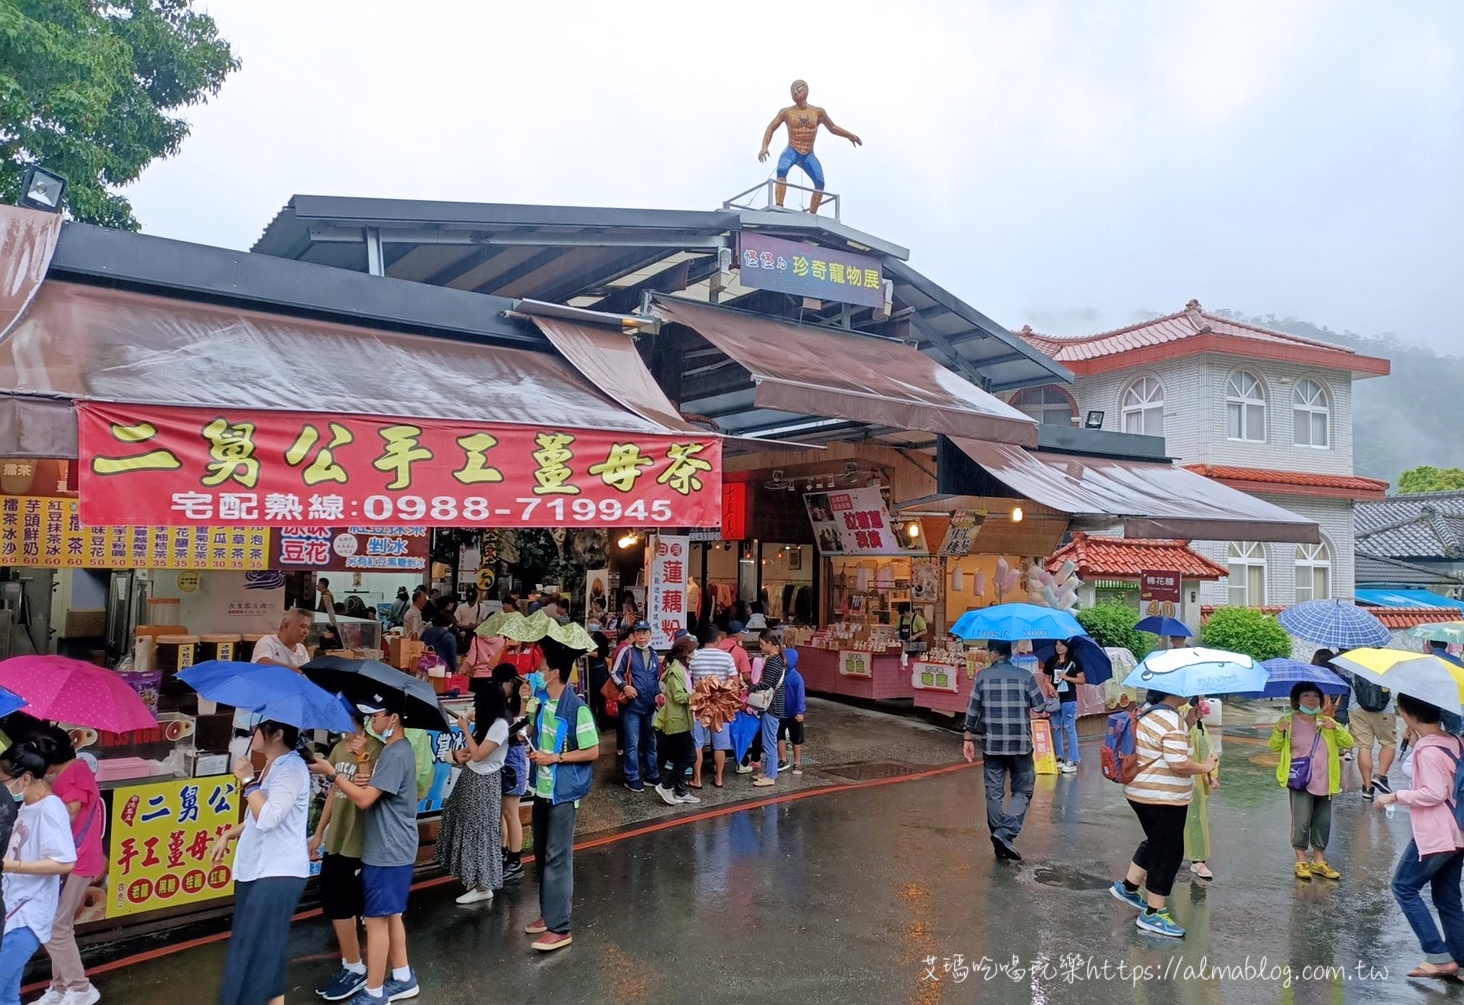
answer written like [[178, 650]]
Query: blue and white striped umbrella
[[1334, 623], [1287, 673]]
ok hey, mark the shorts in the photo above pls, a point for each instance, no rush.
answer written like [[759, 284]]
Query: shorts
[[721, 739], [387, 887], [791, 730], [516, 771], [1368, 728], [342, 893], [808, 162]]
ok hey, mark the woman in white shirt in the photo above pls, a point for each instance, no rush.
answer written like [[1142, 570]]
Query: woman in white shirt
[[39, 854], [468, 845], [271, 865]]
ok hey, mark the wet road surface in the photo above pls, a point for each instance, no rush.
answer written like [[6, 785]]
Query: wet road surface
[[868, 894]]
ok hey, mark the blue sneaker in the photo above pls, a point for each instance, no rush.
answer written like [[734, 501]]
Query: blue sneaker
[[1121, 893], [395, 991], [343, 985], [1160, 922]]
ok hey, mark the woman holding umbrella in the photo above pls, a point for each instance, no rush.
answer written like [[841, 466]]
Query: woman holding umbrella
[[1313, 777], [1067, 675], [271, 865]]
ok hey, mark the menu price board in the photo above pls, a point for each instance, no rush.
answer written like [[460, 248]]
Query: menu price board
[[934, 677], [161, 836], [354, 549], [186, 466], [47, 532]]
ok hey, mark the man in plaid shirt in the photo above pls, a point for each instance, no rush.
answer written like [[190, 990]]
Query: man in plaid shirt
[[1003, 698]]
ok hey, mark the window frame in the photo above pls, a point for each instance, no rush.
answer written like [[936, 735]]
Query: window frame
[[1252, 555], [1048, 397], [1311, 410], [1235, 399], [1313, 557], [1143, 406]]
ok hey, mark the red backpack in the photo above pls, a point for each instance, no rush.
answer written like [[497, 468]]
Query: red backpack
[[1120, 754]]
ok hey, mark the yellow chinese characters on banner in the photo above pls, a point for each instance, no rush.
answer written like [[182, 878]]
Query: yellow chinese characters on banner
[[1043, 757], [160, 840], [46, 532]]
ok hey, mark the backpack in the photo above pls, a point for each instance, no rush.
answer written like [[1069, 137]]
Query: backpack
[[1457, 803], [1370, 697], [1119, 756]]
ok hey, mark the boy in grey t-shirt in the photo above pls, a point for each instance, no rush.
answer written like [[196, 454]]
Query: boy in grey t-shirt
[[389, 799]]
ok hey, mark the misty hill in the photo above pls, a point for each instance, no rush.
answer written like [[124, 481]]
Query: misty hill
[[1400, 421]]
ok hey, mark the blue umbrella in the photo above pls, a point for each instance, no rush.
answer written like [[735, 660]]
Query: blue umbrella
[[1097, 665], [273, 692], [1169, 628], [1287, 673], [1014, 622], [743, 728], [1197, 671], [1336, 624], [10, 702]]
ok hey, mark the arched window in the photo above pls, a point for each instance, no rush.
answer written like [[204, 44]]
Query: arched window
[[1245, 408], [1049, 405], [1312, 413], [1313, 572], [1247, 562], [1142, 406]]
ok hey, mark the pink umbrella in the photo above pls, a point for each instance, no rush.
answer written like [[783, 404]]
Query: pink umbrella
[[75, 692]]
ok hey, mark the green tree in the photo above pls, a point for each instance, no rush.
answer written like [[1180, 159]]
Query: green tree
[[90, 89], [1112, 624], [1243, 630], [1430, 479]]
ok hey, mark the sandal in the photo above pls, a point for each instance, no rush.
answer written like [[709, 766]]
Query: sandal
[[717, 784], [1432, 970], [692, 785], [1201, 870]]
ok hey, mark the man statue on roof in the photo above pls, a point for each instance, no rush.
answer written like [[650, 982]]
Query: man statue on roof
[[802, 120]]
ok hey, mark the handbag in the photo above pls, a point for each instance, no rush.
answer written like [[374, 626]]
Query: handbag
[[1301, 768], [763, 700]]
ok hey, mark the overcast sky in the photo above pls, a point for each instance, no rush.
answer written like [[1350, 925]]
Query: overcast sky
[[1071, 165]]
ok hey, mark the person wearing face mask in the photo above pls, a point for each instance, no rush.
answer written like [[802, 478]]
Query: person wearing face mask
[[1310, 742], [637, 675], [38, 855]]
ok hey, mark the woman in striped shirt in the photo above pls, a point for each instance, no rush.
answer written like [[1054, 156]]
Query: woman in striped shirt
[[1160, 795]]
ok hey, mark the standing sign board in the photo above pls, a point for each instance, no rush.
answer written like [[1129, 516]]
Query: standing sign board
[[666, 599]]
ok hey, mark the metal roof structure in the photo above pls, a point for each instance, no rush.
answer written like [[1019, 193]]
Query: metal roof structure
[[609, 260]]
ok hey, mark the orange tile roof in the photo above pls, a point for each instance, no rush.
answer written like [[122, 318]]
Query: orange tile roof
[[1257, 479], [1129, 557], [1396, 619], [1204, 331]]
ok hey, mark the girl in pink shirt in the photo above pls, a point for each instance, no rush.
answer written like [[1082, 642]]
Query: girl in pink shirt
[[1435, 856]]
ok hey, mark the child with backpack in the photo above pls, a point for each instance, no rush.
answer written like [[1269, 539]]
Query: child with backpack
[[1435, 856], [1310, 743]]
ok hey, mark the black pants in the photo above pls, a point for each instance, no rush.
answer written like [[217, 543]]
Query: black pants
[[679, 751], [1162, 849], [554, 853]]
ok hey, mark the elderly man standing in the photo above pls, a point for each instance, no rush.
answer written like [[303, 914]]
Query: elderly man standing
[[1003, 698], [286, 648], [412, 619], [637, 674]]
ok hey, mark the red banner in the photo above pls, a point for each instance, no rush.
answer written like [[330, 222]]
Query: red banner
[[353, 549], [185, 466]]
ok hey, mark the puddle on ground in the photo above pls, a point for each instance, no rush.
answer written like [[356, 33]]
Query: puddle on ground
[[1065, 877]]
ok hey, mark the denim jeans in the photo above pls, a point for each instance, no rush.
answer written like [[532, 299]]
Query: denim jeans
[[1006, 822], [1441, 872], [639, 743], [15, 952], [1065, 725], [770, 745]]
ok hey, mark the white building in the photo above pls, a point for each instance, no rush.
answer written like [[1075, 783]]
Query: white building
[[1259, 410]]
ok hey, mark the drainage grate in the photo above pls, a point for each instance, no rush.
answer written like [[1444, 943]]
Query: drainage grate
[[869, 772]]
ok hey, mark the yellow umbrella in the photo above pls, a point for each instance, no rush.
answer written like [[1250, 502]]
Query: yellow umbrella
[[1418, 675]]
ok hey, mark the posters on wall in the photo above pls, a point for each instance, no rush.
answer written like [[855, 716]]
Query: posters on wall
[[856, 522], [666, 593], [242, 602], [597, 594]]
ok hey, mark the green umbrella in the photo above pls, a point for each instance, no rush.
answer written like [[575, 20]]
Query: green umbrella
[[1439, 631], [517, 628], [491, 625]]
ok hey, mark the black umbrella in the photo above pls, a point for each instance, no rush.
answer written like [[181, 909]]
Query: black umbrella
[[366, 681]]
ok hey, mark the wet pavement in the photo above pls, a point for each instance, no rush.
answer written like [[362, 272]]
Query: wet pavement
[[869, 891]]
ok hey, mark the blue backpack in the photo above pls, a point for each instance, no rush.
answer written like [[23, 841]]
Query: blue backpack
[[1457, 803], [1119, 756]]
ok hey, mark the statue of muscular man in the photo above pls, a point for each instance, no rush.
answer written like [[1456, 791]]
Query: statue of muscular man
[[802, 120]]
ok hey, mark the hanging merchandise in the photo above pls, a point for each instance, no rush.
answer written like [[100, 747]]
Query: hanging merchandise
[[958, 580]]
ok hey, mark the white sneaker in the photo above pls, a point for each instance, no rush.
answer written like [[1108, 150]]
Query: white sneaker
[[668, 796], [688, 798], [88, 997], [1068, 768], [475, 897], [744, 769], [51, 997]]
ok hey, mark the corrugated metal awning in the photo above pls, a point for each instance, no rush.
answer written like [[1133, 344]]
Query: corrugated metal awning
[[1153, 500]]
